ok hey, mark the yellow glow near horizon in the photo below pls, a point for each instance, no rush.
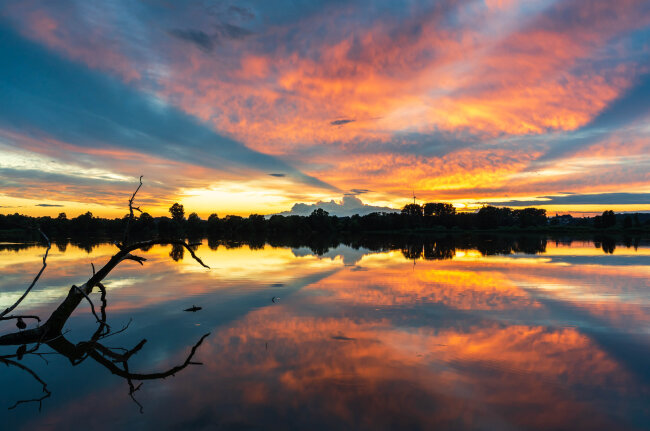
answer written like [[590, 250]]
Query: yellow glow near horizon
[[239, 199], [274, 196]]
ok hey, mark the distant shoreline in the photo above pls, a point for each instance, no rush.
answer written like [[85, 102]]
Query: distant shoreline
[[428, 219]]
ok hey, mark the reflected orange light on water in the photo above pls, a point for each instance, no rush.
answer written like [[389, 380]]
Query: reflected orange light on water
[[472, 339]]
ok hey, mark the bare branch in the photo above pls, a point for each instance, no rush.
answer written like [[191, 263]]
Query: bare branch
[[133, 389], [125, 240], [135, 258], [189, 248], [151, 376], [22, 316], [92, 306], [125, 254], [100, 330], [118, 332], [49, 245], [46, 392]]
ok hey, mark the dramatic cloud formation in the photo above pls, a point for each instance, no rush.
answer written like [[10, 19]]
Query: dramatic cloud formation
[[348, 206], [464, 101]]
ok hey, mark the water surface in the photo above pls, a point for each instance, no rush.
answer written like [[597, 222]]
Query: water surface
[[555, 336]]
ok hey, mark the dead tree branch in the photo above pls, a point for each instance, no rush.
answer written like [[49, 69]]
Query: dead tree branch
[[125, 240], [21, 316], [47, 251], [51, 333], [46, 392], [92, 307]]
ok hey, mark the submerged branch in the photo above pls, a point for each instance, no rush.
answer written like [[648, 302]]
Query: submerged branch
[[46, 392], [47, 251]]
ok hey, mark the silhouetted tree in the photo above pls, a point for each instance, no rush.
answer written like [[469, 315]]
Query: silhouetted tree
[[256, 222], [413, 210], [438, 209], [608, 219], [530, 217], [194, 224], [490, 217], [319, 220], [84, 223], [178, 212], [213, 224], [232, 224], [145, 221]]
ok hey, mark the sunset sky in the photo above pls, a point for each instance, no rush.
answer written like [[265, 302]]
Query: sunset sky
[[239, 107]]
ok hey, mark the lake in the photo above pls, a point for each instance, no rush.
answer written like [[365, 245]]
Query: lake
[[534, 334]]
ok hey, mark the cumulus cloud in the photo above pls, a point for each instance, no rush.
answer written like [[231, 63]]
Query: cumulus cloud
[[348, 206]]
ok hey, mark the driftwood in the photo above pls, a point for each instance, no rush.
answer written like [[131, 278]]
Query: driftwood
[[50, 333]]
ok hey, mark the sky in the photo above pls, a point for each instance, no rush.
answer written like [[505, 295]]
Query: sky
[[239, 107]]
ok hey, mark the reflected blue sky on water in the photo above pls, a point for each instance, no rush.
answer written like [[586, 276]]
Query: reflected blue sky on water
[[357, 340]]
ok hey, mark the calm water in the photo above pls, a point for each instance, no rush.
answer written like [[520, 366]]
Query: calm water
[[352, 339]]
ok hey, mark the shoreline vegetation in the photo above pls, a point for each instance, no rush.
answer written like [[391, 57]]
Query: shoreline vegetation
[[415, 224]]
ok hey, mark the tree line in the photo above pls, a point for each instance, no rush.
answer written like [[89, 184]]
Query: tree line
[[430, 216]]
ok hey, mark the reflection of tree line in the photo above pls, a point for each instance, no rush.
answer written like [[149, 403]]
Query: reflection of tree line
[[445, 248], [430, 247]]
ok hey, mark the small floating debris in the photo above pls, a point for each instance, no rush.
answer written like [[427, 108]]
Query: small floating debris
[[275, 299], [193, 308]]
